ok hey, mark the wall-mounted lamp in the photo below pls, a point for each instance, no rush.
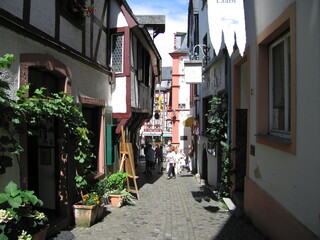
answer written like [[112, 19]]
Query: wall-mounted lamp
[[196, 97]]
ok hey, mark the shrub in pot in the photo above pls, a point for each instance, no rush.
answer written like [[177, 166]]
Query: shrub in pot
[[115, 189]]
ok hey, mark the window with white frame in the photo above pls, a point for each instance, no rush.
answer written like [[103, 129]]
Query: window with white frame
[[280, 87], [117, 52]]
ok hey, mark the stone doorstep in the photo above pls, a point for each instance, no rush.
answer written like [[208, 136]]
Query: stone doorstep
[[231, 206]]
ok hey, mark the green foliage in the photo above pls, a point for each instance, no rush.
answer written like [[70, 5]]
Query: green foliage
[[116, 180], [18, 218], [218, 122], [115, 186], [15, 197], [217, 119], [5, 62]]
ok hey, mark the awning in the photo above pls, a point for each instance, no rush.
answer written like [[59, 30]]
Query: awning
[[151, 134], [188, 122], [167, 135]]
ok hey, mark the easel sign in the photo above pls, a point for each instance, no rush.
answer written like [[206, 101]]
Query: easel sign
[[127, 164]]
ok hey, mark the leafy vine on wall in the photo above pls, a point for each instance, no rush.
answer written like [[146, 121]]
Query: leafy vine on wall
[[27, 114], [217, 130]]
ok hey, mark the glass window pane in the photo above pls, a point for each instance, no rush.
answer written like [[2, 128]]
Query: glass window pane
[[289, 84], [117, 42], [278, 87]]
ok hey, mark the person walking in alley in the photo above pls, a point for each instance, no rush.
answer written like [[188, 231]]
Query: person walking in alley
[[171, 158], [180, 161], [190, 158], [159, 158], [149, 158]]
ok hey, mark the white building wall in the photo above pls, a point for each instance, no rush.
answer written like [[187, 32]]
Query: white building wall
[[14, 7], [42, 16], [119, 93], [291, 179], [117, 18], [70, 35]]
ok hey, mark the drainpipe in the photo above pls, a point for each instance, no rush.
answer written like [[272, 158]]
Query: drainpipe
[[228, 69]]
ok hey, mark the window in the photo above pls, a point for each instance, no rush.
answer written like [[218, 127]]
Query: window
[[117, 52], [279, 87], [49, 81], [206, 107], [183, 138], [182, 105], [143, 64], [276, 83]]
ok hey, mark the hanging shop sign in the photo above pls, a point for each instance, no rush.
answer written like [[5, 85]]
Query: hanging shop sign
[[193, 71]]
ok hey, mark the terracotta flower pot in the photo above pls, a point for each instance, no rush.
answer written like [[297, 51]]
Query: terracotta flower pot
[[85, 216], [116, 200]]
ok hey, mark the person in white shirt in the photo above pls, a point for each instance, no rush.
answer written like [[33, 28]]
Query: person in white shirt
[[171, 158], [180, 161]]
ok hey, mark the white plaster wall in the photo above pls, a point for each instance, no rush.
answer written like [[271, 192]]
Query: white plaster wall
[[70, 35], [102, 48], [99, 11], [118, 96], [117, 18], [42, 16], [292, 179], [13, 7]]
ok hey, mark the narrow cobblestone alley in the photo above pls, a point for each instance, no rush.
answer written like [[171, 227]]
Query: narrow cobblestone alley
[[168, 209]]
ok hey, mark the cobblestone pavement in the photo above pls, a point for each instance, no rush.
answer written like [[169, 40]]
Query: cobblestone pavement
[[168, 210]]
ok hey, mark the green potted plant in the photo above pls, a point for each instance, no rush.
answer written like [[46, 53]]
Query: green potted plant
[[18, 218], [115, 189]]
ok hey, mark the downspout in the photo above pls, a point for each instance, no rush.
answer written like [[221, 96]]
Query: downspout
[[108, 44], [228, 69]]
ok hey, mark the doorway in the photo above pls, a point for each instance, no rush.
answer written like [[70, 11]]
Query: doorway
[[42, 148], [204, 169]]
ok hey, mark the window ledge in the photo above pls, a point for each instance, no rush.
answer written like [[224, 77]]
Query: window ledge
[[274, 138]]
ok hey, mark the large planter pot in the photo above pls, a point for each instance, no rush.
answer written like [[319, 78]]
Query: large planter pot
[[85, 216], [116, 200], [41, 235], [101, 211]]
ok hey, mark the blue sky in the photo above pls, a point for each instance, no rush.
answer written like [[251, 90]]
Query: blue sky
[[176, 12]]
